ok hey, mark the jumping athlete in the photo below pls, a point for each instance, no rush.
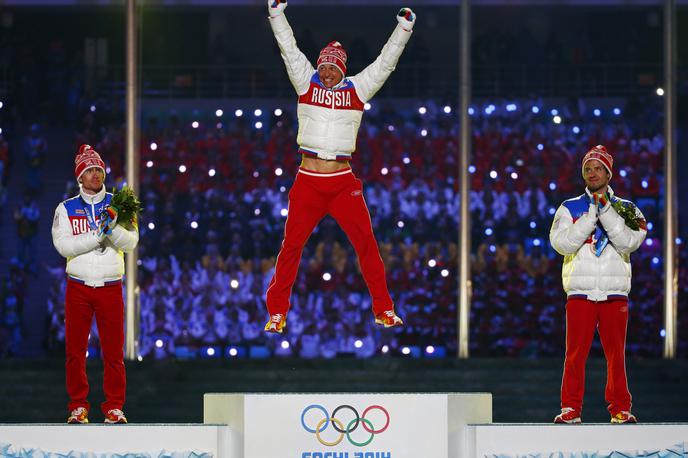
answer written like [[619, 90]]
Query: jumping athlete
[[330, 107]]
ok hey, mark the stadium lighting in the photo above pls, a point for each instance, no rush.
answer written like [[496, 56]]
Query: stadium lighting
[[153, 146], [93, 108], [617, 111], [256, 211], [194, 124], [283, 188], [650, 226], [519, 162], [384, 171], [256, 174], [678, 241], [278, 172], [284, 212], [149, 164], [210, 351], [367, 106], [257, 112], [540, 146], [492, 248], [536, 242], [219, 113], [424, 133], [533, 224], [406, 350], [278, 112], [511, 107], [432, 263], [429, 349], [211, 172], [0, 130], [551, 210], [576, 130], [159, 343], [514, 175], [107, 169], [447, 109], [1, 104], [384, 349], [194, 225], [234, 283], [284, 344], [493, 174], [552, 186], [233, 351], [597, 112], [358, 343], [556, 119], [648, 242], [660, 91], [238, 113], [662, 333], [182, 168], [422, 110], [444, 273], [406, 160], [535, 109], [151, 226], [471, 169], [139, 358], [655, 260], [400, 224], [623, 172], [390, 128], [327, 276], [554, 112], [259, 125], [644, 184], [471, 111], [489, 231]]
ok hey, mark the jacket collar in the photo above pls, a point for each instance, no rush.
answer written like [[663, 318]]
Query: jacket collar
[[92, 199]]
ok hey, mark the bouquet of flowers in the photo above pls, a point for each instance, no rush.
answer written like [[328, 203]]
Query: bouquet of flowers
[[627, 211], [126, 207]]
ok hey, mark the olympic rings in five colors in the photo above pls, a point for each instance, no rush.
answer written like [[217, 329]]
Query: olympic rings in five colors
[[339, 426]]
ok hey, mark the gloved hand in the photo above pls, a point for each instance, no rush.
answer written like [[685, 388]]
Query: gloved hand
[[276, 7], [601, 200], [406, 17]]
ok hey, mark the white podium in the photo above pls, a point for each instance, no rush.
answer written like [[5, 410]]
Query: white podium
[[349, 425]]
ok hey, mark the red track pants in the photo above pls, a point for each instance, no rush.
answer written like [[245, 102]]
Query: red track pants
[[610, 317], [81, 303], [313, 196]]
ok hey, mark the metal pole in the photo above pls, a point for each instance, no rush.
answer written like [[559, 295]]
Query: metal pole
[[670, 213], [464, 251], [132, 167]]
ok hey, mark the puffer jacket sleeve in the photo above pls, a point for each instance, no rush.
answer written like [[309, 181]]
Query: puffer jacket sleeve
[[299, 69], [624, 239], [124, 239], [566, 236], [65, 242], [371, 78]]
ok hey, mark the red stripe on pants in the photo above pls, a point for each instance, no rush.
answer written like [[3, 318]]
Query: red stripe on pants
[[106, 303], [310, 199], [610, 318]]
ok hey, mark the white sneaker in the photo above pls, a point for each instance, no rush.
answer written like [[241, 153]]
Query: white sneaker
[[114, 416], [78, 416]]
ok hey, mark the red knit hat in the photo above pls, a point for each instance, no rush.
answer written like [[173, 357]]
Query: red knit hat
[[599, 153], [87, 158], [334, 54]]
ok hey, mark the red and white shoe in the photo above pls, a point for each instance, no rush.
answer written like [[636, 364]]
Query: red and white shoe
[[115, 416], [568, 415], [276, 324], [624, 417], [78, 416], [388, 319]]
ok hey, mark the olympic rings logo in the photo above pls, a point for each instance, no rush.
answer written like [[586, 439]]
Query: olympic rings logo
[[358, 420]]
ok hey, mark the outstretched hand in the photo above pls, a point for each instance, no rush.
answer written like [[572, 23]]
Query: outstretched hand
[[406, 17], [276, 7]]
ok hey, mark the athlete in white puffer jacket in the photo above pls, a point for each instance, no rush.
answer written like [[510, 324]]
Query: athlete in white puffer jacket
[[596, 242]]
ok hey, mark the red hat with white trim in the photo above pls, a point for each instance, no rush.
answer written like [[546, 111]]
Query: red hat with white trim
[[599, 153], [333, 54], [87, 158]]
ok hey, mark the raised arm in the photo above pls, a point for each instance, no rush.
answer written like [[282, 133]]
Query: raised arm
[[299, 69], [371, 79]]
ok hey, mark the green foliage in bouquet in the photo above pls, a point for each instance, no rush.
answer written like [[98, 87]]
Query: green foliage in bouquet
[[128, 206], [627, 211]]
